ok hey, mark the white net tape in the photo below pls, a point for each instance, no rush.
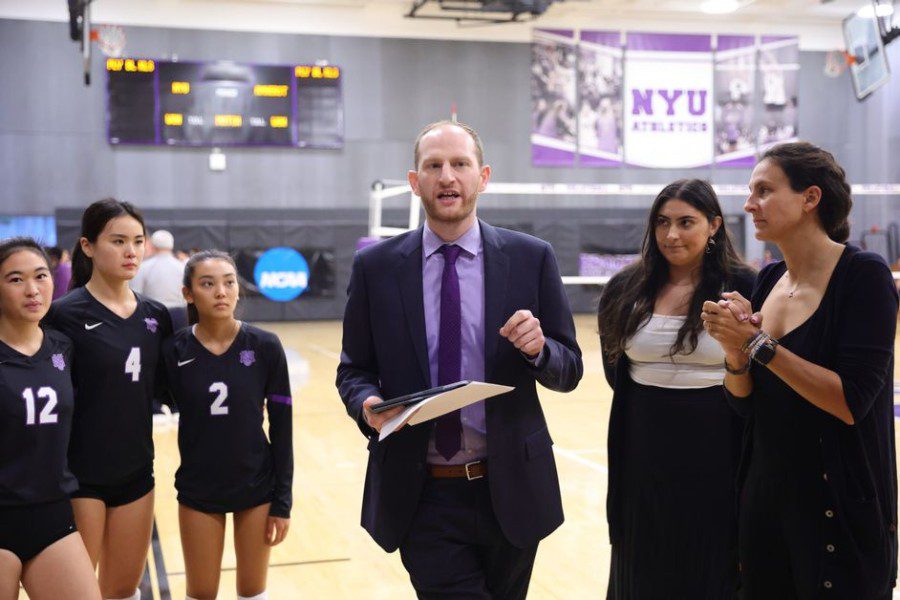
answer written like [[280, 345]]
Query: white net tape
[[391, 189]]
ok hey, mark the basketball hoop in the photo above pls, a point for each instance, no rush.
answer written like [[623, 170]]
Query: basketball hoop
[[110, 39], [836, 62]]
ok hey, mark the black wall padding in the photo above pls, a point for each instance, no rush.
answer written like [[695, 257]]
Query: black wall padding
[[570, 231]]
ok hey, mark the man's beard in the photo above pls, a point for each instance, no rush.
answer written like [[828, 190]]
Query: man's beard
[[466, 208]]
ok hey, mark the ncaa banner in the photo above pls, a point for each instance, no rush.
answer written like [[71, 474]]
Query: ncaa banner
[[553, 98], [281, 274], [668, 100], [779, 65], [600, 78], [735, 84]]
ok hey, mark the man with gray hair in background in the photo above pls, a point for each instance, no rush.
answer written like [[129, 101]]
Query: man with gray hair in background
[[160, 277]]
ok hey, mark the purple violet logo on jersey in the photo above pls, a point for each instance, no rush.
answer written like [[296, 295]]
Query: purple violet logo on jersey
[[58, 361], [152, 324], [248, 357]]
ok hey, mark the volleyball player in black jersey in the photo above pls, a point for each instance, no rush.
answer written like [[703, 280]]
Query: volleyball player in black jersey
[[117, 336], [39, 545], [221, 372]]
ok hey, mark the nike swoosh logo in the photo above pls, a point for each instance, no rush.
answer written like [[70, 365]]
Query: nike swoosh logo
[[94, 326], [181, 363]]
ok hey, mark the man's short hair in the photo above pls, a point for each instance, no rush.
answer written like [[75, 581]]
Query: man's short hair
[[162, 239], [479, 148]]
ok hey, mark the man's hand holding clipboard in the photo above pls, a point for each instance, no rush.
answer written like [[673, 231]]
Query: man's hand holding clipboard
[[374, 407], [452, 397]]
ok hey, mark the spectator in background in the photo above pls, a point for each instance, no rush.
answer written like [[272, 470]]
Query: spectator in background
[[160, 277], [60, 269]]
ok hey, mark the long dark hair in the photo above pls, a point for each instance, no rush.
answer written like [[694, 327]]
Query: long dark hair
[[806, 165], [10, 246], [93, 220], [621, 314], [191, 266]]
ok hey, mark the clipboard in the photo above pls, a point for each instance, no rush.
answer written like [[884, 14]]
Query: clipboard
[[443, 403], [415, 397]]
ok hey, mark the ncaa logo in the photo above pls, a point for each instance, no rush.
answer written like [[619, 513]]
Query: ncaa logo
[[281, 274]]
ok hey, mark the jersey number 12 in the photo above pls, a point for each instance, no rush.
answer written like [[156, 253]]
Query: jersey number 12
[[47, 415]]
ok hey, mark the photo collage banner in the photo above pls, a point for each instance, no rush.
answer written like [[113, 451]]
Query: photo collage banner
[[607, 99]]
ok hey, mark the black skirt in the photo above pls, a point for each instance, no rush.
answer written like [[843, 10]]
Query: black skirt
[[679, 526]]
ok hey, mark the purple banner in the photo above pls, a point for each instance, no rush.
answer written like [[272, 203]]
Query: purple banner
[[668, 103], [779, 65], [600, 99], [734, 91], [679, 101], [553, 98]]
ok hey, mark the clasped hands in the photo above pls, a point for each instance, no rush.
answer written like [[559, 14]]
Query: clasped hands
[[731, 322]]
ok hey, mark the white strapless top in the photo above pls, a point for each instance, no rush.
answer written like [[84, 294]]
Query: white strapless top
[[650, 363]]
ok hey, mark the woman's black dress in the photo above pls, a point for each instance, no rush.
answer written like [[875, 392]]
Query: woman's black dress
[[818, 503]]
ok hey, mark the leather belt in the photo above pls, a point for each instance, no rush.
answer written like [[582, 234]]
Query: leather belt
[[471, 471]]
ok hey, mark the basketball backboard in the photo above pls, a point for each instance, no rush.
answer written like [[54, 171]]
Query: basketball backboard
[[869, 67]]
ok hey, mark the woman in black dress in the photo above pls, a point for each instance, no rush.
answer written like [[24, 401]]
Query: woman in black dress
[[818, 503], [673, 441]]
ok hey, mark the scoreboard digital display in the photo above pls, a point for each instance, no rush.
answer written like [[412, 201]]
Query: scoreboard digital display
[[223, 104]]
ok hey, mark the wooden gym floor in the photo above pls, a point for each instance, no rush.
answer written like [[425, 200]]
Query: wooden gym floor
[[328, 555]]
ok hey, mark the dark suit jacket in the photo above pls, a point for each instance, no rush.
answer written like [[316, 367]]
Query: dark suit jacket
[[385, 354]]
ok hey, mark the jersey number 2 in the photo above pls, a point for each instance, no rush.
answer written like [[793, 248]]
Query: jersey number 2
[[218, 406], [47, 415], [133, 364]]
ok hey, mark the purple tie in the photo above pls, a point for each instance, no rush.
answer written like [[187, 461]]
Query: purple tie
[[448, 428]]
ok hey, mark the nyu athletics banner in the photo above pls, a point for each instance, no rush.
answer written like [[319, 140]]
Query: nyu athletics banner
[[660, 100], [669, 100], [600, 98], [735, 84], [553, 98]]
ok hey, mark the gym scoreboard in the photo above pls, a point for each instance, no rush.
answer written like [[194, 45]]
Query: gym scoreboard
[[223, 104]]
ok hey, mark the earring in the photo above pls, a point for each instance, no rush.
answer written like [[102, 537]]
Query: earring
[[710, 243]]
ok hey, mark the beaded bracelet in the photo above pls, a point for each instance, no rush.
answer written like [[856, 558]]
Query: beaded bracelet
[[758, 341], [745, 347]]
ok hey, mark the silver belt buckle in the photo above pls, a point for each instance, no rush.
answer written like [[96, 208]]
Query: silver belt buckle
[[469, 476]]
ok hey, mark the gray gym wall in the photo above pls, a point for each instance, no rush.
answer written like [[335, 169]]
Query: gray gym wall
[[53, 150]]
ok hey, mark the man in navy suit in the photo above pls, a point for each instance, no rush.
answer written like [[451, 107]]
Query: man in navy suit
[[468, 496]]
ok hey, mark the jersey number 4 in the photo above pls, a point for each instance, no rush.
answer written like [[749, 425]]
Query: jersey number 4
[[218, 406], [47, 415], [133, 364]]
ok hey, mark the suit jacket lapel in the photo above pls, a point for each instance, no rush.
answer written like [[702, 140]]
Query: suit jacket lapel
[[410, 280], [496, 281]]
